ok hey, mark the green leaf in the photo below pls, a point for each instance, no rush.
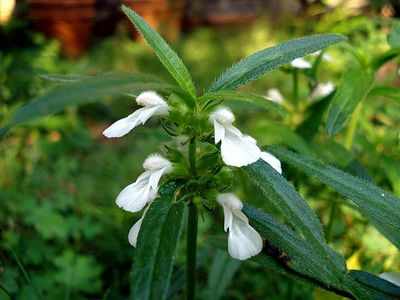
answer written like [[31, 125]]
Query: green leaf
[[382, 59], [300, 255], [393, 38], [222, 270], [257, 64], [355, 85], [379, 206], [309, 127], [296, 211], [243, 97], [82, 92], [166, 55], [386, 91], [156, 247]]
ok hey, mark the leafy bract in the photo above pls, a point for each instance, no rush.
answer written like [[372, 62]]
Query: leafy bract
[[354, 86], [82, 92], [166, 55], [243, 97], [379, 206], [387, 92], [156, 247], [255, 65]]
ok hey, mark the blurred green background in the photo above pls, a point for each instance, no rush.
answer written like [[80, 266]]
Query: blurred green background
[[62, 236]]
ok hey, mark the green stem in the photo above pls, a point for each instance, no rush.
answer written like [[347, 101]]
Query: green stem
[[295, 86], [192, 156], [191, 248], [191, 245]]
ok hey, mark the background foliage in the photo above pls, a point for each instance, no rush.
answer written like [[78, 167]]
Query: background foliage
[[61, 233]]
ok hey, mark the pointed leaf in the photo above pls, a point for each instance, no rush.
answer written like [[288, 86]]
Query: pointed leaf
[[296, 211], [83, 92], [300, 255], [257, 64], [166, 55], [379, 206], [386, 91], [354, 86], [156, 247]]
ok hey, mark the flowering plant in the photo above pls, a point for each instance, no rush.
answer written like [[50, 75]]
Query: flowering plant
[[197, 171]]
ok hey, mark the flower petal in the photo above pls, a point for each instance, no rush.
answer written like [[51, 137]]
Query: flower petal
[[155, 178], [219, 132], [134, 232], [123, 126], [243, 240], [237, 150], [272, 161], [135, 196]]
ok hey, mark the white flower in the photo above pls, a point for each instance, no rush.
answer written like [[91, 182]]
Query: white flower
[[267, 157], [272, 161], [153, 105], [236, 149], [393, 277], [300, 63], [274, 95], [322, 90], [135, 196], [134, 231], [243, 240]]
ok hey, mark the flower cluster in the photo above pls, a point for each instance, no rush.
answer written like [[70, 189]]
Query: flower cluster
[[237, 150]]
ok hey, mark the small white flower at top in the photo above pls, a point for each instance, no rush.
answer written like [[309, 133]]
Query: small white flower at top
[[322, 89], [153, 105], [143, 191], [236, 149], [302, 63], [243, 240], [274, 95]]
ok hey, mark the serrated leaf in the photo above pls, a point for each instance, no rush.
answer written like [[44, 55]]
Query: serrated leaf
[[82, 92], [296, 211], [166, 55], [257, 64], [301, 256], [223, 268], [380, 207], [156, 247], [244, 97], [354, 86]]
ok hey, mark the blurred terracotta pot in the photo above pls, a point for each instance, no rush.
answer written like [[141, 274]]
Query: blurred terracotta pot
[[69, 21], [163, 15]]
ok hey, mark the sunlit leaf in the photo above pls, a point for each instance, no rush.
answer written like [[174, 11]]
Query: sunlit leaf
[[166, 55], [257, 64], [380, 207], [354, 86]]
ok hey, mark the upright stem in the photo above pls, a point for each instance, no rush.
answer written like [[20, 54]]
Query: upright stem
[[295, 87], [191, 245], [192, 156], [191, 248]]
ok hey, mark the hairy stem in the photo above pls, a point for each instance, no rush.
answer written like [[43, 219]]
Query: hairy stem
[[295, 87], [191, 245], [351, 130], [191, 249]]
